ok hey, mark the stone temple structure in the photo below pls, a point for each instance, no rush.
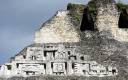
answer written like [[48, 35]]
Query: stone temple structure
[[54, 59], [61, 49]]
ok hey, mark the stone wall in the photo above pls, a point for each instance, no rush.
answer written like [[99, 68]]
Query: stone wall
[[106, 46], [59, 29], [108, 21], [56, 59]]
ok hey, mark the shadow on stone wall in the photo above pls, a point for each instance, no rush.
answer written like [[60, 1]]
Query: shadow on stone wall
[[123, 20]]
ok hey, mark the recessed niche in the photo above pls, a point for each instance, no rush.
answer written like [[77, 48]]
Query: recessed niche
[[123, 19], [87, 21]]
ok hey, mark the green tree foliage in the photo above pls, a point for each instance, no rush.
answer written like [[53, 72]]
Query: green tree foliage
[[76, 11], [75, 7], [92, 9]]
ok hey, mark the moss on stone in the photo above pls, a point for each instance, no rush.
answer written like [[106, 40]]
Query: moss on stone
[[76, 16], [92, 8], [76, 7], [76, 11]]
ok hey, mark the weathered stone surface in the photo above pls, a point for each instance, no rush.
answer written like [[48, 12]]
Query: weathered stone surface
[[107, 45], [68, 78], [59, 29], [108, 21]]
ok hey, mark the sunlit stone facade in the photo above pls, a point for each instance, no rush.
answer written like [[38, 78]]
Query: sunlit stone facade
[[50, 56], [51, 59]]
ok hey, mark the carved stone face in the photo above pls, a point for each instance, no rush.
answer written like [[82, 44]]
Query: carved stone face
[[58, 67], [34, 53]]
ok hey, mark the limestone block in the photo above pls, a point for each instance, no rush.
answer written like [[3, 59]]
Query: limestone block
[[58, 29]]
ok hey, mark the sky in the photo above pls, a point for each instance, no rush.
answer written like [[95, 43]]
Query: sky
[[19, 19]]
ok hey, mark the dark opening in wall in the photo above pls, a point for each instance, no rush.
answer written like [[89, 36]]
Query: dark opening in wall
[[27, 73], [69, 53], [72, 57], [45, 53], [87, 21], [33, 57], [52, 51], [102, 71], [17, 65], [9, 67], [123, 20], [54, 54], [30, 72], [95, 71], [73, 65], [24, 56], [84, 71], [52, 65], [44, 66], [82, 57], [65, 65], [113, 71]]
